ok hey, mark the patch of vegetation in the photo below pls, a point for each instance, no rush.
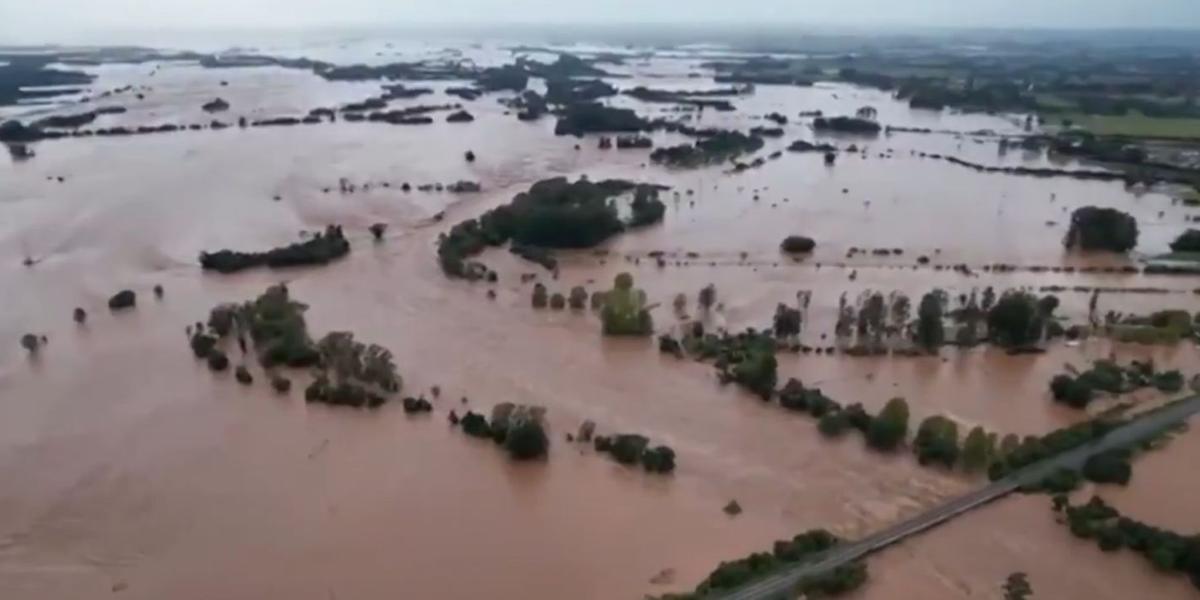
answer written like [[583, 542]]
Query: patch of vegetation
[[1108, 467], [632, 449], [937, 442], [846, 125], [1094, 228], [520, 429], [1160, 327], [1061, 481], [802, 548], [554, 213], [624, 311], [1016, 587], [930, 331], [1107, 376], [834, 582], [122, 300], [890, 427], [1018, 319], [1137, 125], [318, 250], [797, 244], [1031, 449], [346, 372], [1170, 552], [713, 149], [587, 117], [1188, 241]]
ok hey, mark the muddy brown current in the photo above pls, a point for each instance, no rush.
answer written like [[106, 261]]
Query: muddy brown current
[[126, 466]]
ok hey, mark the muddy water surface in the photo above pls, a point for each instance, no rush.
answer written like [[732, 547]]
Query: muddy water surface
[[123, 463]]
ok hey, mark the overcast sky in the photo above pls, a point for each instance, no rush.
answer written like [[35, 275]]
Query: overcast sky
[[21, 20]]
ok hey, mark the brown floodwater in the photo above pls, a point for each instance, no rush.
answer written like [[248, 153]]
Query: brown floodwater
[[125, 464]]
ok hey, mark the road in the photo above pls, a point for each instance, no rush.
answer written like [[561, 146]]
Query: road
[[780, 585]]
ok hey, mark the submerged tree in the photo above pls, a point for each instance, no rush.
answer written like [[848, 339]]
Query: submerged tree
[[624, 311], [890, 427], [931, 332], [937, 441], [788, 321], [353, 363], [1094, 228], [1015, 320], [977, 450], [707, 297]]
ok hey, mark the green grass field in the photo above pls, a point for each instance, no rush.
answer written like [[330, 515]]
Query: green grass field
[[1134, 125]]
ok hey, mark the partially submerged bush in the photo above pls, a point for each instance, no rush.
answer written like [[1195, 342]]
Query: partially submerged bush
[[122, 300], [632, 449], [217, 361], [797, 244], [526, 440], [221, 319], [202, 344], [281, 384], [578, 299], [540, 296], [520, 428], [243, 376], [1094, 228]]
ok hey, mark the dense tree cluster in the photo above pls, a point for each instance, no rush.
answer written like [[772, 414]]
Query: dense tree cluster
[[570, 91], [1188, 241], [1094, 228], [318, 250], [519, 428], [553, 213], [632, 448], [839, 580], [712, 149], [1107, 376], [1020, 453], [346, 372], [1016, 319], [937, 442], [1166, 550], [802, 548], [506, 77], [1108, 467], [589, 117], [846, 125], [978, 449]]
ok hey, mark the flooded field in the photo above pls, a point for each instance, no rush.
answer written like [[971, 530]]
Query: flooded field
[[125, 466]]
